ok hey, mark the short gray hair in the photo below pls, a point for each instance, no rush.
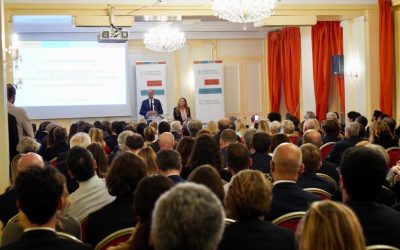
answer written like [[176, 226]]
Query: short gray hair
[[194, 126], [248, 137], [79, 139], [27, 144], [353, 128], [275, 127], [331, 115], [176, 126], [287, 127], [122, 138], [189, 216]]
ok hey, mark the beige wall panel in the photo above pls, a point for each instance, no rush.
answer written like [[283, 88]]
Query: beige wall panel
[[253, 86], [241, 48], [232, 87]]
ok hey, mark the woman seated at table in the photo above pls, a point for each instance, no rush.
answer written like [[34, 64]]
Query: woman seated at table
[[182, 111]]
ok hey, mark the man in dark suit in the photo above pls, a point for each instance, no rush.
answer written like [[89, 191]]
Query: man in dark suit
[[169, 163], [350, 140], [228, 136], [287, 196], [47, 188], [261, 159], [151, 106], [363, 172]]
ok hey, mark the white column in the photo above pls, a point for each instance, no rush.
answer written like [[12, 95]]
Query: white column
[[307, 77]]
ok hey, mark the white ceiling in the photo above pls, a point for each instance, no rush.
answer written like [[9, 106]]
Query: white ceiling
[[184, 2]]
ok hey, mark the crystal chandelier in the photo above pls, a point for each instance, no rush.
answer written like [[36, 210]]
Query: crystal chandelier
[[12, 60], [164, 38], [243, 11]]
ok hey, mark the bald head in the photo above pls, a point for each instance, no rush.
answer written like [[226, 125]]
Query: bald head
[[312, 136], [166, 140], [29, 160], [287, 162]]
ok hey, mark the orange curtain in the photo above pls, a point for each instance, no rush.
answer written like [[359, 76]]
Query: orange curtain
[[290, 68], [386, 52], [274, 74]]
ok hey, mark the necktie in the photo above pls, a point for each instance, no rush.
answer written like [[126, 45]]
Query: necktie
[[151, 105]]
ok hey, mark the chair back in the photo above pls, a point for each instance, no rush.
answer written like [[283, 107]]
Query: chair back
[[289, 220], [228, 221], [68, 236], [328, 178], [53, 162], [13, 219], [294, 138], [83, 223], [394, 156], [326, 149], [320, 192], [115, 238], [381, 247]]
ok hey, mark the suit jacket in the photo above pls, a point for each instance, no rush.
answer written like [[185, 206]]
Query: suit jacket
[[178, 116], [330, 169], [146, 107], [108, 219], [335, 155], [8, 206], [256, 235], [312, 180], [13, 138], [288, 197], [44, 240], [155, 146], [261, 162], [381, 224], [330, 138]]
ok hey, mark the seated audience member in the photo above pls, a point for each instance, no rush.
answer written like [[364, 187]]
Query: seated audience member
[[212, 127], [350, 140], [352, 116], [134, 143], [169, 164], [175, 228], [96, 135], [182, 111], [203, 131], [260, 158], [163, 127], [248, 138], [278, 139], [309, 115], [58, 146], [176, 130], [193, 127], [308, 124], [314, 137], [381, 134], [247, 201], [330, 131], [184, 148], [288, 128], [140, 127], [121, 147], [275, 116], [238, 159], [363, 172], [223, 124], [92, 193], [14, 230], [364, 122], [149, 157], [111, 139], [149, 189], [330, 225], [149, 135], [14, 170], [227, 137], [41, 212], [263, 126], [99, 155], [287, 196], [209, 177], [8, 207], [41, 132], [205, 151], [312, 162], [275, 127], [166, 141], [392, 125], [27, 144], [332, 115], [124, 175], [240, 127]]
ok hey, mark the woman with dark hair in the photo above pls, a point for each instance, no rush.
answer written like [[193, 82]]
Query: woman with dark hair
[[56, 144], [381, 134], [206, 151], [182, 110], [277, 139], [73, 129], [209, 177], [185, 147], [126, 171], [101, 158], [148, 191]]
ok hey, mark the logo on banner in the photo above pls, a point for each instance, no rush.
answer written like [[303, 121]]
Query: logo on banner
[[154, 83], [208, 82]]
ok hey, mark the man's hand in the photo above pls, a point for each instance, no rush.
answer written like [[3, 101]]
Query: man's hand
[[150, 113]]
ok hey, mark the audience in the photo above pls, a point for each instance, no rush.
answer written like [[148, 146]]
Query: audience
[[149, 135], [134, 143], [59, 144], [149, 157], [350, 140], [169, 164], [278, 139], [227, 137], [247, 201], [99, 155], [27, 144], [330, 225], [166, 141], [260, 158], [175, 212], [212, 127], [209, 177], [330, 131], [184, 148], [176, 130], [194, 126]]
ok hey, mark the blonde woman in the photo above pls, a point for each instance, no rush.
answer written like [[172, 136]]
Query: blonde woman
[[240, 127], [149, 156], [149, 135], [212, 127], [96, 135], [330, 225], [263, 126]]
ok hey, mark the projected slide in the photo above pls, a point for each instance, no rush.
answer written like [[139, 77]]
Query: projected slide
[[63, 79]]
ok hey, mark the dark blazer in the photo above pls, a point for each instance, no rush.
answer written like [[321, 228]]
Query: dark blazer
[[312, 180], [155, 146], [336, 154], [178, 117], [8, 206], [44, 240], [146, 107], [176, 179], [256, 235], [13, 138], [331, 138], [110, 218], [288, 197], [51, 152], [381, 224], [330, 169], [261, 162]]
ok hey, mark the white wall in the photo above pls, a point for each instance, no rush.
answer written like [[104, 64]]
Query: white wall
[[307, 102]]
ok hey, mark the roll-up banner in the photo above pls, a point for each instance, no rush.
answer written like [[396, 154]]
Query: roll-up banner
[[151, 75], [209, 87]]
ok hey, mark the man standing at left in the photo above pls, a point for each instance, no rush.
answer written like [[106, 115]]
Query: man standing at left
[[23, 123], [151, 106]]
